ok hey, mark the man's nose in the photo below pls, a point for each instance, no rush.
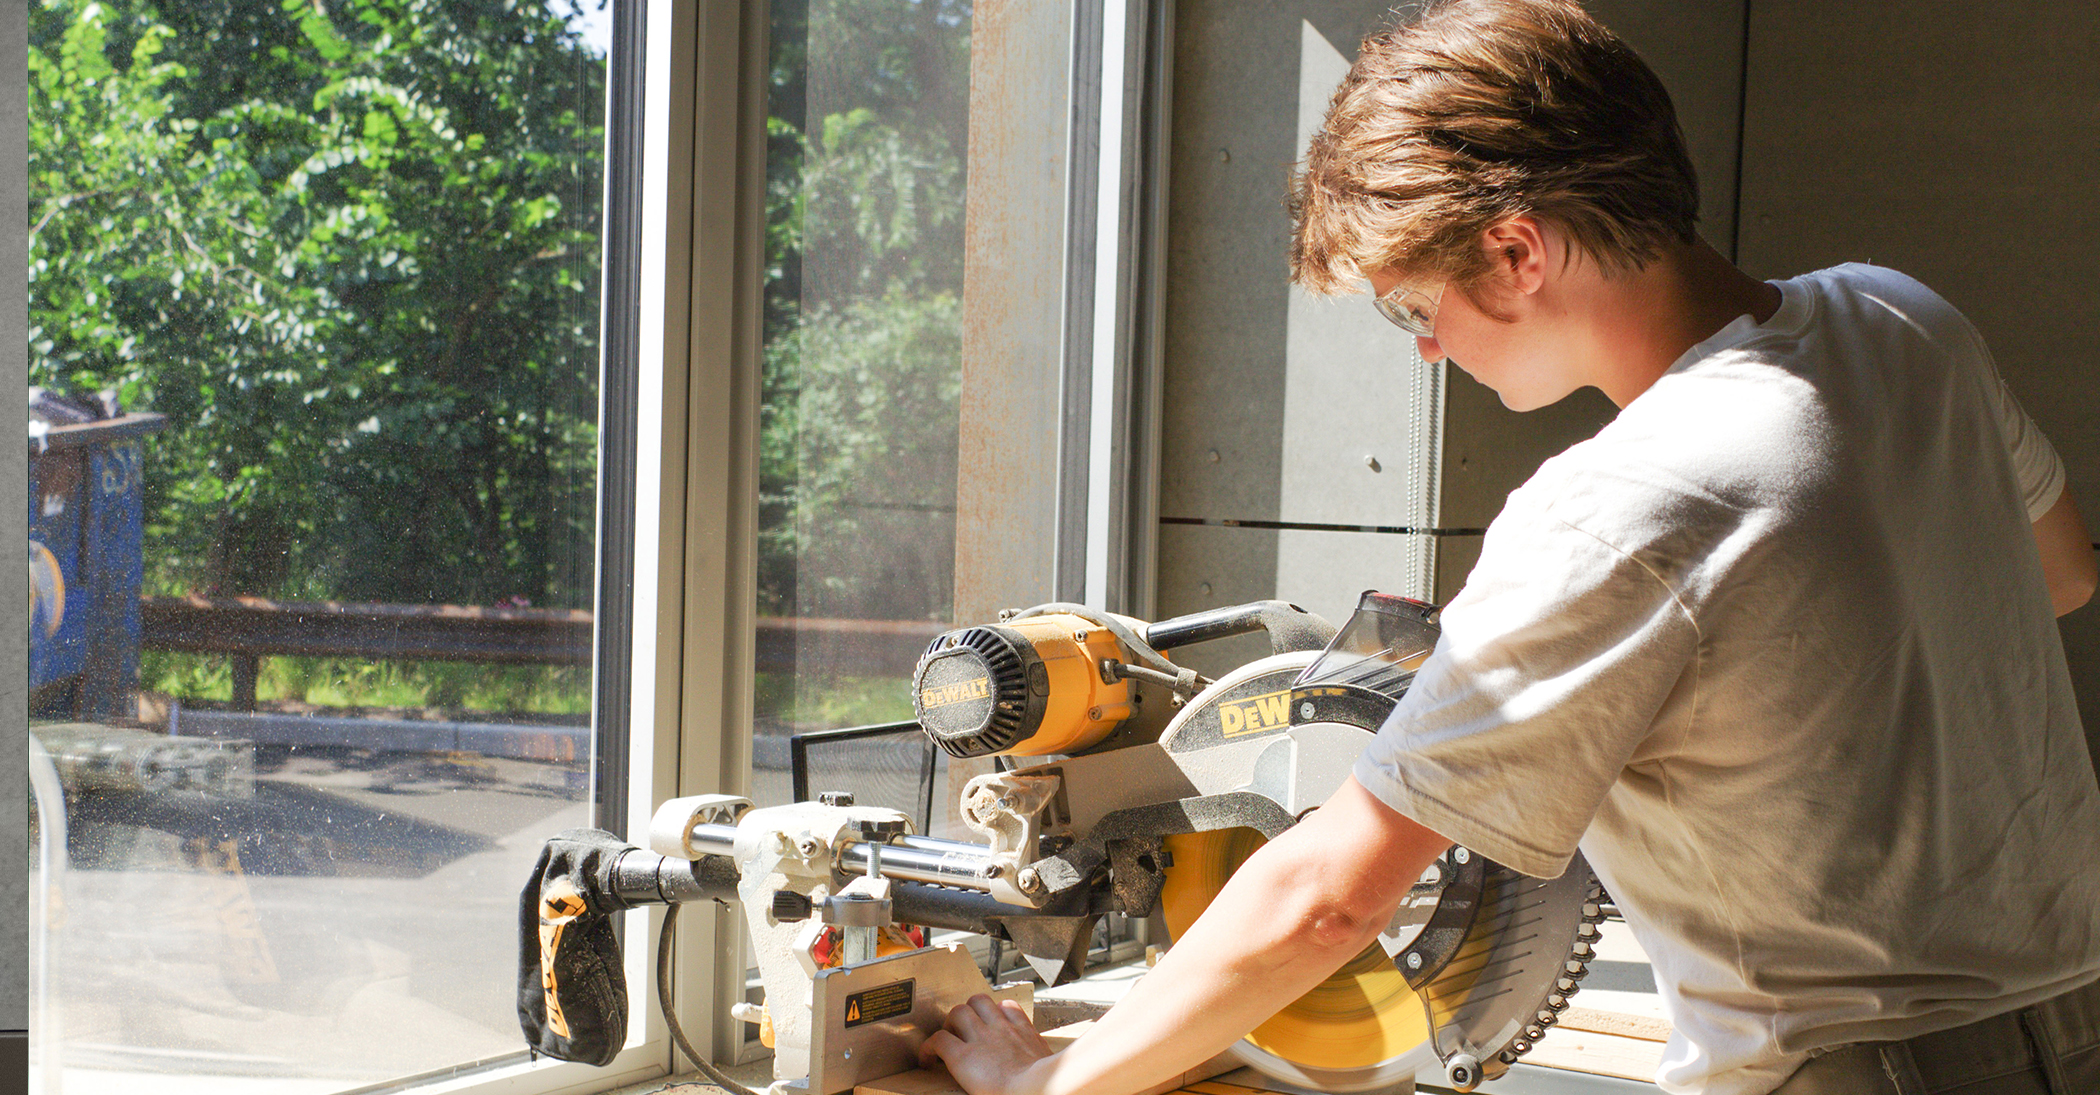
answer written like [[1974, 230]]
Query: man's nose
[[1431, 352]]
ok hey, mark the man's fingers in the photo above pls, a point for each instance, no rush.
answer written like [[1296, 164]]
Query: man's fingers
[[1017, 1017], [986, 1008], [938, 1047], [968, 1020]]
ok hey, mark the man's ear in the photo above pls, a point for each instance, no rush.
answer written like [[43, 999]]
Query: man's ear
[[1517, 250]]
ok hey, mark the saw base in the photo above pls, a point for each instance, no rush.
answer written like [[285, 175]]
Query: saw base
[[1221, 1075]]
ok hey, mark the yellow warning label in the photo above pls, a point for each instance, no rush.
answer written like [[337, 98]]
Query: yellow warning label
[[941, 695], [881, 1002], [1265, 712]]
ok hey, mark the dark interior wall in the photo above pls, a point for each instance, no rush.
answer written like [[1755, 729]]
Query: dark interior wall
[[1961, 151]]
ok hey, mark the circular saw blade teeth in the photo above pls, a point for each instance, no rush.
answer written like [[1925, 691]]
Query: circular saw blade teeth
[[1500, 991]]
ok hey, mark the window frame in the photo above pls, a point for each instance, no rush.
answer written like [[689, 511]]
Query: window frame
[[673, 581], [14, 500], [1103, 427], [678, 493], [678, 497]]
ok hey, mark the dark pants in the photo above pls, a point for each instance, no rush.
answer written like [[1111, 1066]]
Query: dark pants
[[2052, 1048]]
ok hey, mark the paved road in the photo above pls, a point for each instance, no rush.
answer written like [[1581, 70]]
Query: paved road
[[369, 933]]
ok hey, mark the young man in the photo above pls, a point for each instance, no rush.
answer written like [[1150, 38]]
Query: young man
[[1777, 647]]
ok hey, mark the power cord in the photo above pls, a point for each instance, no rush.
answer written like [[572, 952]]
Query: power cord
[[663, 1000]]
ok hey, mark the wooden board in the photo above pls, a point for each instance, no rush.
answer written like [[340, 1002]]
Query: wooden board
[[1605, 1043], [1643, 1027], [936, 1081], [1603, 1054]]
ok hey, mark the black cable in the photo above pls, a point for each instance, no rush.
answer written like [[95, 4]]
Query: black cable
[[663, 1000]]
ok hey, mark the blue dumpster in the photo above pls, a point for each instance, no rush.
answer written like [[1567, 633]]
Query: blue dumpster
[[85, 531]]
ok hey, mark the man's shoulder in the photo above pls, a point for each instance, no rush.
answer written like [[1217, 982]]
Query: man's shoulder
[[1856, 293], [1733, 454], [1743, 423]]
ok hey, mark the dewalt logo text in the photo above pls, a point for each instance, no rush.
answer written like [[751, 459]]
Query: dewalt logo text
[[960, 691], [1265, 712]]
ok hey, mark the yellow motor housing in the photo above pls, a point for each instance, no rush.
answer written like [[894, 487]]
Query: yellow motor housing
[[1030, 687]]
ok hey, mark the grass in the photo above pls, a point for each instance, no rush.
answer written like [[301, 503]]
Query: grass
[[344, 682], [825, 702], [812, 700]]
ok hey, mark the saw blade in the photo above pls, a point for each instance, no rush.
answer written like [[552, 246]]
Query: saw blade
[[1493, 989], [1362, 1029]]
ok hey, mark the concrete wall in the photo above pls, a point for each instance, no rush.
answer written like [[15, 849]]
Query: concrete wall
[[1247, 77], [1489, 451]]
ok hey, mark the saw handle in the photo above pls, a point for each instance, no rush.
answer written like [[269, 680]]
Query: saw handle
[[1290, 628]]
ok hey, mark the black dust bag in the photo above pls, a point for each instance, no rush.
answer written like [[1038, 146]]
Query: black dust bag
[[572, 990]]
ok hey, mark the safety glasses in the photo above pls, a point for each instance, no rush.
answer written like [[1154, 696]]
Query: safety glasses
[[1411, 310]]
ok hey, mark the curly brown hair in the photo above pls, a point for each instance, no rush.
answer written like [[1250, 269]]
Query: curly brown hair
[[1478, 111]]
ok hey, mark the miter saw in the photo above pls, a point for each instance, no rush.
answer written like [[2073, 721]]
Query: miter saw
[[1129, 784]]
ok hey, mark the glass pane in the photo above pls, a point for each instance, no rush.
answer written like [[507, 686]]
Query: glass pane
[[868, 129], [314, 306]]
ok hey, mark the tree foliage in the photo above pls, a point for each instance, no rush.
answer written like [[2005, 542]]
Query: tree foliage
[[868, 132], [350, 249]]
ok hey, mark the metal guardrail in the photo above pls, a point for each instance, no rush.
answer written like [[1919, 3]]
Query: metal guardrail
[[328, 629], [249, 629]]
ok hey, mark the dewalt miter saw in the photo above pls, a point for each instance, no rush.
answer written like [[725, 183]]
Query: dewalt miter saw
[[1131, 784]]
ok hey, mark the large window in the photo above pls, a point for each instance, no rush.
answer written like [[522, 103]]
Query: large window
[[315, 359], [868, 130]]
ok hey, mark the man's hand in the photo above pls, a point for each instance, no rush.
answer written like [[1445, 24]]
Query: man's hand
[[989, 1046]]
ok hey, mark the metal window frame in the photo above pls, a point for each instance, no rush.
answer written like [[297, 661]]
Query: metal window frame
[[679, 491], [1109, 384], [1108, 445], [667, 58], [14, 502], [653, 94]]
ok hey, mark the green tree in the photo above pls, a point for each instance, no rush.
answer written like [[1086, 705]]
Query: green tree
[[350, 249], [868, 128]]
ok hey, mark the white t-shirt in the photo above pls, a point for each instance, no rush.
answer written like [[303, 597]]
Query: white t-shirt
[[1775, 649]]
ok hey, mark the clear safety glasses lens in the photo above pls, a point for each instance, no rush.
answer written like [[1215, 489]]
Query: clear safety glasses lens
[[1411, 310]]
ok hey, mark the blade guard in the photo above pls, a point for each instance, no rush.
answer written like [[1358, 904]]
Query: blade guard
[[1476, 964]]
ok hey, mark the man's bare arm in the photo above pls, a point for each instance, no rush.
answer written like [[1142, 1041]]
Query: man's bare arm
[[1292, 914], [2067, 555]]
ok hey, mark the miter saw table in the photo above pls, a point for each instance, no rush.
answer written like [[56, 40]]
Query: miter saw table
[[1129, 784]]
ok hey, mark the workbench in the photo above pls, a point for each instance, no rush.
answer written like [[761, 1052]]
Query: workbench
[[1608, 1044]]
